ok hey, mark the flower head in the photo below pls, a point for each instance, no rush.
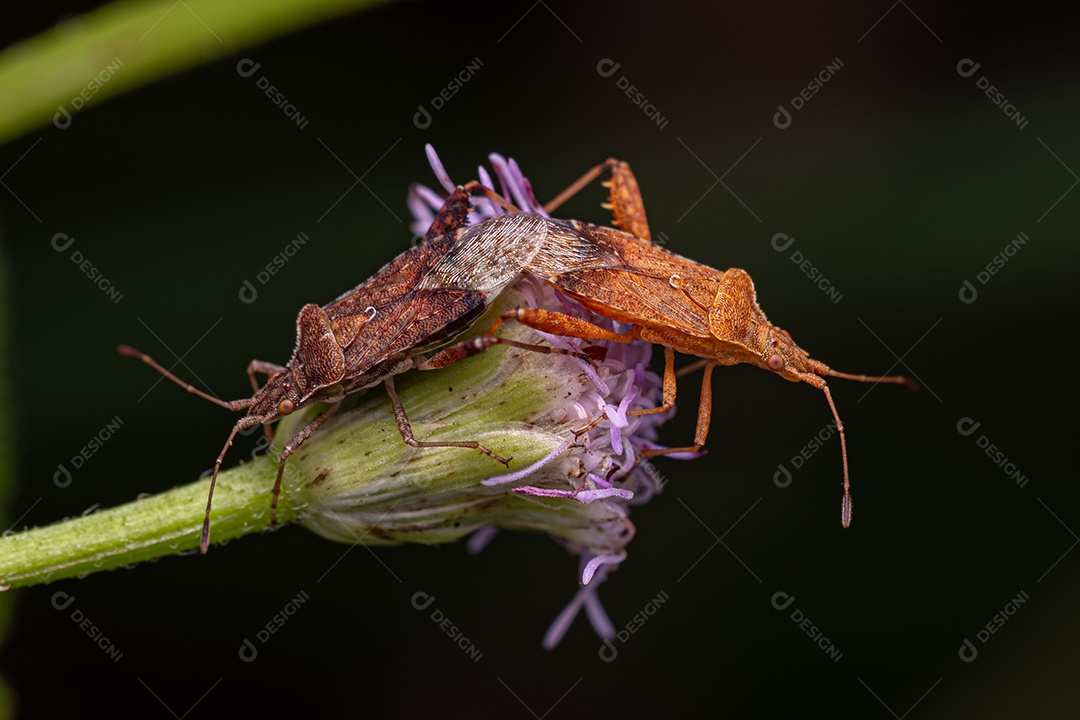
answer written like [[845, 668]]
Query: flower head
[[577, 489]]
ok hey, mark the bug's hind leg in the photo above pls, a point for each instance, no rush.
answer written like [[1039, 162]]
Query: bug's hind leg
[[624, 200], [405, 427]]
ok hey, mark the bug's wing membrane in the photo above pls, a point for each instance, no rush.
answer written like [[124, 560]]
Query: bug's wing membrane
[[489, 256]]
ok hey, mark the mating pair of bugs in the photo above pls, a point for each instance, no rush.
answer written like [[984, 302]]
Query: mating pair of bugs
[[436, 290]]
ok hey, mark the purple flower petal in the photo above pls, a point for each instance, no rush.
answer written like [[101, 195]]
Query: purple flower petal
[[512, 182], [440, 171], [525, 472], [498, 161], [569, 306], [602, 482], [531, 203], [422, 214], [480, 539], [487, 208], [544, 492], [586, 496], [688, 455], [616, 437], [592, 566], [564, 619], [617, 414], [598, 617], [581, 495], [430, 197], [586, 597], [586, 367]]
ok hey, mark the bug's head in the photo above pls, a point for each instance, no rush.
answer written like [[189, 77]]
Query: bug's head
[[780, 354], [280, 396]]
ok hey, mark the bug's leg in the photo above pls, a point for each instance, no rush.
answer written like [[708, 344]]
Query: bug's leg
[[669, 394], [557, 323], [624, 200], [476, 186], [291, 447], [261, 366], [669, 386], [691, 368], [704, 416], [626, 203], [242, 423], [579, 184], [407, 434], [268, 369]]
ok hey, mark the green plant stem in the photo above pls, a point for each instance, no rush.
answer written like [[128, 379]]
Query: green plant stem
[[7, 462], [151, 39], [153, 527]]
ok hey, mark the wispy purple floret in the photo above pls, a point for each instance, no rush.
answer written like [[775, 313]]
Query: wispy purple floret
[[527, 471], [437, 166], [612, 474]]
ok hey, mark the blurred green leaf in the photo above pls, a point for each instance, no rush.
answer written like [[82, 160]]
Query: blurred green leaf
[[120, 46], [6, 474]]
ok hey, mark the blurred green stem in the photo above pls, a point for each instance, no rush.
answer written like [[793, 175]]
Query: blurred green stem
[[142, 41], [149, 528]]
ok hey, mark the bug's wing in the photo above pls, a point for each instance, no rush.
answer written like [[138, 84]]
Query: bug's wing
[[394, 280], [418, 321], [626, 278], [487, 257], [490, 255], [435, 291]]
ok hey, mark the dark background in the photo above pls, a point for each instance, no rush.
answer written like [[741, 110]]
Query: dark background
[[899, 180]]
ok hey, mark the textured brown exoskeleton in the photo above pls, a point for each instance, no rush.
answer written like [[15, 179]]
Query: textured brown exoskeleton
[[422, 299], [669, 300]]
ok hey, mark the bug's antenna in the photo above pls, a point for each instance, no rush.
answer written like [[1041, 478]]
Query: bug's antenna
[[896, 379], [131, 352], [816, 381], [845, 504]]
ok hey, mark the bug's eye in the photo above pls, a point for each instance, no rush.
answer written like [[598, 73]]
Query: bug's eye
[[285, 407], [776, 363]]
